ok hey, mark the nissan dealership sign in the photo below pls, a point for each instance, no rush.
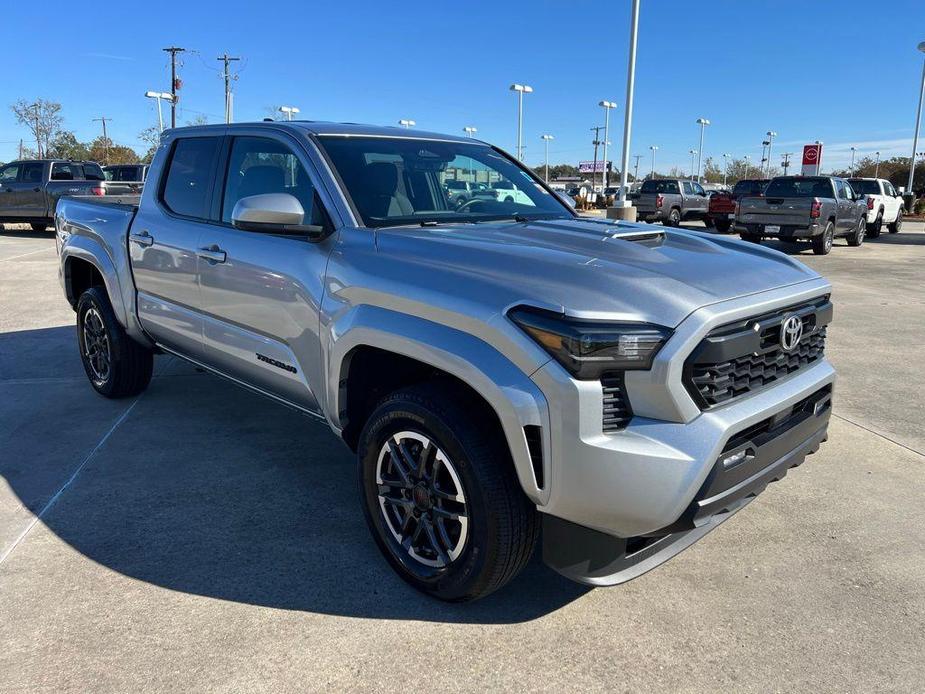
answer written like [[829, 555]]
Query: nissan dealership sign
[[812, 159]]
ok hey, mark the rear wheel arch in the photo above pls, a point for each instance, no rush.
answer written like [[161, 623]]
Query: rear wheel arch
[[79, 275]]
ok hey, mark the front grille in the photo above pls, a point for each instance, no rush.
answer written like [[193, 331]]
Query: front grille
[[743, 357], [617, 412]]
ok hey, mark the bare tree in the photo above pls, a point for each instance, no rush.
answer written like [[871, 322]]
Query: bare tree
[[42, 117]]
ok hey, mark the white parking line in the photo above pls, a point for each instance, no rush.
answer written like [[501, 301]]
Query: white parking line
[[25, 254], [53, 500]]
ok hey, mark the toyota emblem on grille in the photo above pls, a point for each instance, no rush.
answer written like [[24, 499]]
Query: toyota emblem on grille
[[791, 330]]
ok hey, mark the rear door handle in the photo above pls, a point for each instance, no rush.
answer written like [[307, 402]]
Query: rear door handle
[[212, 253], [142, 238]]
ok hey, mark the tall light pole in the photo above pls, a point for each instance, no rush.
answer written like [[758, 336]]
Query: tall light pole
[[521, 89], [877, 169], [747, 159], [637, 157], [654, 149], [607, 106], [703, 123], [851, 169], [693, 153], [158, 96], [628, 119], [725, 168], [918, 118], [406, 123], [289, 110], [771, 135], [470, 131], [546, 139], [764, 158]]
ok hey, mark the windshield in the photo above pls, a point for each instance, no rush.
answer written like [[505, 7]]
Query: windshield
[[864, 187], [799, 188], [397, 181]]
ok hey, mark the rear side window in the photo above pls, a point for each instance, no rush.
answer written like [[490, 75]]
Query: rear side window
[[93, 172], [659, 186], [187, 185], [64, 172], [8, 174]]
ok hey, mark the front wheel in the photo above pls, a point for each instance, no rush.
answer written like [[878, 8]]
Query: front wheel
[[116, 365], [440, 493], [856, 238], [896, 226], [822, 244]]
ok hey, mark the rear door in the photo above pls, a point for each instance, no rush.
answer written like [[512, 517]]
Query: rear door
[[891, 203], [29, 192], [164, 240], [700, 202], [847, 214], [261, 292]]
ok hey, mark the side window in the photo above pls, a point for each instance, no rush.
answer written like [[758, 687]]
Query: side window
[[93, 172], [63, 172], [32, 172], [260, 165], [688, 188], [888, 189], [698, 189], [186, 185], [8, 174], [840, 189]]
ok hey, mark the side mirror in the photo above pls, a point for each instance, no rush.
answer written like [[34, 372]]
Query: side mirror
[[275, 213]]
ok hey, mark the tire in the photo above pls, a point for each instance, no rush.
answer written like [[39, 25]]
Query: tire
[[674, 218], [751, 238], [444, 557], [875, 227], [116, 365], [709, 222], [856, 238], [723, 226], [822, 244], [896, 225], [39, 227]]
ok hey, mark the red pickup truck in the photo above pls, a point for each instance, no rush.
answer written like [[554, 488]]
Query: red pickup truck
[[721, 213]]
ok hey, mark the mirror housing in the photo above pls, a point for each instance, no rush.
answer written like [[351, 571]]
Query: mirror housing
[[275, 213]]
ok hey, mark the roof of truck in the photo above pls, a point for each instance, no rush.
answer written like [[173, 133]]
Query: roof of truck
[[330, 128]]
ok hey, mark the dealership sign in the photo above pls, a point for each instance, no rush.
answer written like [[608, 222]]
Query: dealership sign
[[593, 166], [812, 159]]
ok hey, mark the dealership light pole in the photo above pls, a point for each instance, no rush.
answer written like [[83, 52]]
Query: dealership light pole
[[288, 110], [607, 106], [771, 135], [703, 122], [693, 153], [654, 149], [470, 131], [851, 168], [158, 96], [628, 118], [877, 169], [725, 168], [406, 123], [637, 157], [521, 89], [546, 139], [918, 118]]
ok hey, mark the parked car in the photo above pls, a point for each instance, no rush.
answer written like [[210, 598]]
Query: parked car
[[498, 369], [884, 204], [134, 174], [813, 208], [503, 191], [721, 212], [671, 201], [30, 189], [609, 196]]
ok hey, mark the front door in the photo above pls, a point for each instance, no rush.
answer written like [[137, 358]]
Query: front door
[[8, 190], [164, 241], [261, 292], [30, 198]]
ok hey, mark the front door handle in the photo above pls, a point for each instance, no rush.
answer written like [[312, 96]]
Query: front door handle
[[142, 238], [212, 253]]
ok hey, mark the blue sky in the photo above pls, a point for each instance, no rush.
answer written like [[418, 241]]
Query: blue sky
[[843, 72]]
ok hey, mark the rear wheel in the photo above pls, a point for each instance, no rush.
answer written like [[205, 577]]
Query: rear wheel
[[441, 496], [674, 218], [822, 244], [116, 365], [723, 226], [709, 222], [875, 227], [752, 238], [856, 238], [896, 226]]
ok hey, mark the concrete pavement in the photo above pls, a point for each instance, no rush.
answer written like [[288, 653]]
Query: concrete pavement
[[232, 556]]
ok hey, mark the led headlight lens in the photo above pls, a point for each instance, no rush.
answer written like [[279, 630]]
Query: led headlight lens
[[589, 348]]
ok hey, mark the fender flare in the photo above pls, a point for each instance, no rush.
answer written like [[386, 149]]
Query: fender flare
[[89, 250], [515, 398]]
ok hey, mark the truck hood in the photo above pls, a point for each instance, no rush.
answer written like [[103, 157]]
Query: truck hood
[[586, 268]]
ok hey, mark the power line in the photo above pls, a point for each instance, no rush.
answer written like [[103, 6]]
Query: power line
[[174, 82]]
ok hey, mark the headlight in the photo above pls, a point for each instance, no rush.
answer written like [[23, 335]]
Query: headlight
[[588, 348]]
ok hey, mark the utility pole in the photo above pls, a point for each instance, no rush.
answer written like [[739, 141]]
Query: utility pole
[[226, 59], [877, 170], [173, 50], [597, 131], [103, 119], [786, 162], [20, 148], [38, 131], [637, 157]]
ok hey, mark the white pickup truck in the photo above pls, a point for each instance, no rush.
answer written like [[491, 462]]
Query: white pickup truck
[[884, 204]]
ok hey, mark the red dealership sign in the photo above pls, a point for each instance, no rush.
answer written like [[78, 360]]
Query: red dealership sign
[[812, 159]]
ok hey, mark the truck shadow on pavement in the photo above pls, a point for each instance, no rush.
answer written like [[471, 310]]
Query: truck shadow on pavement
[[208, 489]]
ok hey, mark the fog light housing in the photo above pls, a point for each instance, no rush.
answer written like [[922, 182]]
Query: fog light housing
[[730, 460]]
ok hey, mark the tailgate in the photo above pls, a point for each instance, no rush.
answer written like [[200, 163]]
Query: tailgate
[[780, 211], [646, 202]]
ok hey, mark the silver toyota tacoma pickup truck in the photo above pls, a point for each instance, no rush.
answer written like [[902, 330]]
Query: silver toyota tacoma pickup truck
[[505, 370]]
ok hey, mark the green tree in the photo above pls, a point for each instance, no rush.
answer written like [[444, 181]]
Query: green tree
[[104, 151], [151, 136], [65, 145], [43, 119]]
